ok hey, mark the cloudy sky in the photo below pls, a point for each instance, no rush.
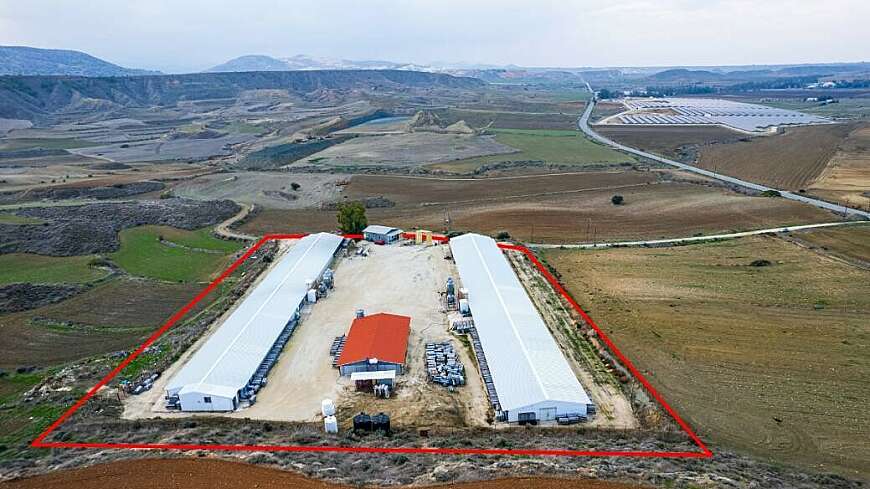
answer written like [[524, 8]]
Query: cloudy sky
[[188, 35]]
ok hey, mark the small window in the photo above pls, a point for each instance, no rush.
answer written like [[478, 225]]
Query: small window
[[206, 399]]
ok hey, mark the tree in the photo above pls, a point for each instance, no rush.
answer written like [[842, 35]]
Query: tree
[[605, 94], [295, 186], [352, 217], [617, 200], [503, 235]]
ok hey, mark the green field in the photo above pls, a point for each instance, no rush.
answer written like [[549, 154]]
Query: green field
[[46, 143], [184, 256], [9, 218], [21, 422], [548, 146], [24, 267]]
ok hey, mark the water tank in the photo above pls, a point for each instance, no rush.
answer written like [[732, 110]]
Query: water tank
[[362, 422], [330, 424], [312, 295], [464, 308], [360, 313], [327, 407], [381, 422], [450, 286]]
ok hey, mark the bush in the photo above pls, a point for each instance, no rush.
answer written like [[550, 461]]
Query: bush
[[617, 200], [771, 193], [295, 186], [503, 235]]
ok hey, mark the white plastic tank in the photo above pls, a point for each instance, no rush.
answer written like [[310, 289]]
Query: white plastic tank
[[312, 296], [464, 308], [327, 407], [330, 424]]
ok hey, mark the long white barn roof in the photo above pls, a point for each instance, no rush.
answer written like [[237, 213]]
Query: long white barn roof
[[526, 364], [231, 356]]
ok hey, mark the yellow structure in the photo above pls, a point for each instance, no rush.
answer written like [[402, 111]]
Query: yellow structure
[[423, 237]]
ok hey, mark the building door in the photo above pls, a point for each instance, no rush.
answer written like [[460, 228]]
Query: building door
[[547, 414]]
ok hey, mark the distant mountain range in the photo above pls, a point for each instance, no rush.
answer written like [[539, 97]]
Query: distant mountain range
[[22, 60], [301, 62], [38, 98]]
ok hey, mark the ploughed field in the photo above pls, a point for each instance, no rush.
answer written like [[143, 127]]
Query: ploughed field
[[210, 473], [679, 143], [554, 209], [791, 161], [766, 359]]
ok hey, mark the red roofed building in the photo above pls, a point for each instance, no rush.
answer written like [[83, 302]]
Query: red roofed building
[[376, 342]]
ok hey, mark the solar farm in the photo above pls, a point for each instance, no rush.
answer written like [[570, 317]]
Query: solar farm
[[750, 118], [338, 327]]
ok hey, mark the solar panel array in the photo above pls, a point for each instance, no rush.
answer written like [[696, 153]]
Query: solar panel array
[[690, 111]]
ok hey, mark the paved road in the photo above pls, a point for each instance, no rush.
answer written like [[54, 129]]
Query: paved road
[[695, 239], [583, 124]]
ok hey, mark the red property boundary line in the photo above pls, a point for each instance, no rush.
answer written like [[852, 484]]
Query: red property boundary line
[[39, 441]]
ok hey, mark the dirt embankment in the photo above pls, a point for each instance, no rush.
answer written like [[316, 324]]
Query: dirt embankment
[[219, 474]]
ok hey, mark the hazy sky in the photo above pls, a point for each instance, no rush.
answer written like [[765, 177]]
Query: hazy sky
[[181, 35]]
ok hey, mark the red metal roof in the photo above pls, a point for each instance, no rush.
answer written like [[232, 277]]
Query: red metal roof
[[383, 336]]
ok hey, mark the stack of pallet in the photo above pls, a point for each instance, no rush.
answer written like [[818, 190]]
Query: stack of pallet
[[443, 365], [336, 348]]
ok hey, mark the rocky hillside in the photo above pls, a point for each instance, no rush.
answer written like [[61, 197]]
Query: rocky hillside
[[37, 97], [22, 60]]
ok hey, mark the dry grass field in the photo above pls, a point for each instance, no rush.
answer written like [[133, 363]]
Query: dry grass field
[[846, 178], [679, 143], [852, 242], [770, 360], [581, 211], [791, 161]]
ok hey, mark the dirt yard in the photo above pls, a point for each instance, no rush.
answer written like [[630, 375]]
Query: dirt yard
[[766, 359], [404, 280]]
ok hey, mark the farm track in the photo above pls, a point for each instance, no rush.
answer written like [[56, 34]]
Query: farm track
[[694, 239], [583, 124], [225, 229]]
